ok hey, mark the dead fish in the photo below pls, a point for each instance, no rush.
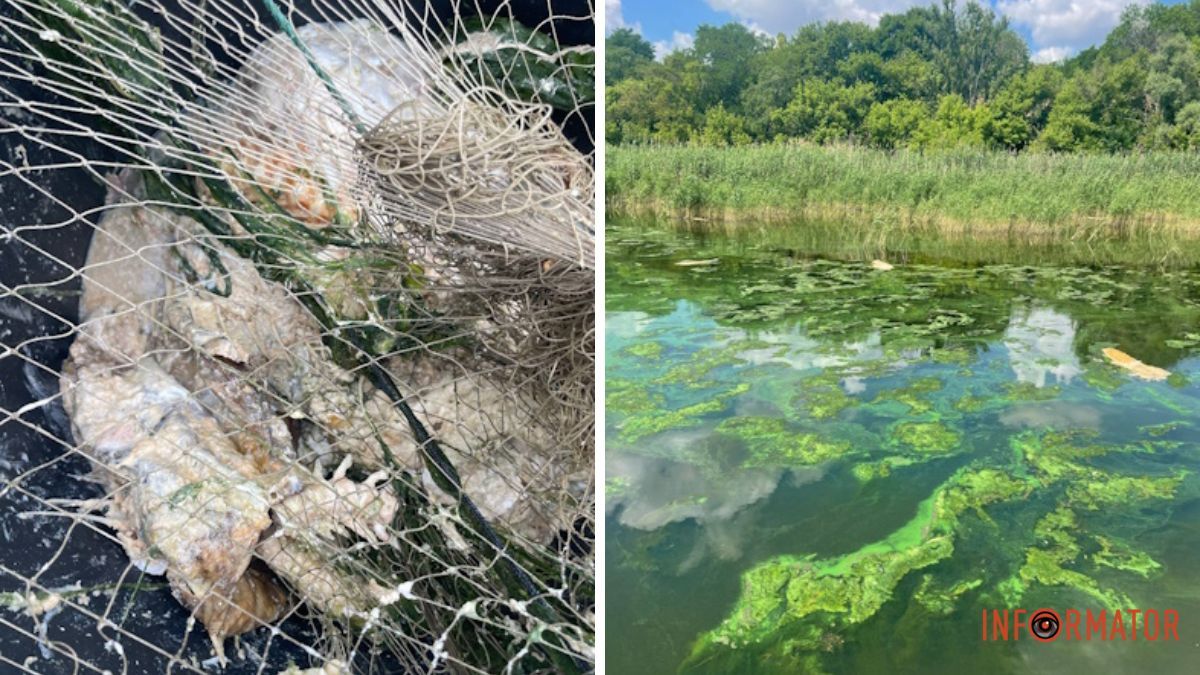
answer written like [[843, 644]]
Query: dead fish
[[1137, 368], [881, 266], [698, 263]]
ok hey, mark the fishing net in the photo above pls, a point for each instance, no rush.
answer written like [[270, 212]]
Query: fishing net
[[297, 315]]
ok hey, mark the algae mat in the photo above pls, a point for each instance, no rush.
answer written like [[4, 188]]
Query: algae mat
[[816, 466]]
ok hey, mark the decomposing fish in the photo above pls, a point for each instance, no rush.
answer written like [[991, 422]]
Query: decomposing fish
[[183, 397], [209, 404], [1134, 366]]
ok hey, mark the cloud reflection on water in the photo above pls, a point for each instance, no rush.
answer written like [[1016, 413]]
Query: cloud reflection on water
[[725, 505], [1041, 346]]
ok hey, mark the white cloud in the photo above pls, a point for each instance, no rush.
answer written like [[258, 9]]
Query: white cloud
[[774, 17], [678, 41], [614, 18], [1059, 27], [1051, 54]]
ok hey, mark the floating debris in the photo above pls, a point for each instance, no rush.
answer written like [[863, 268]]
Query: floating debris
[[882, 266], [1139, 369]]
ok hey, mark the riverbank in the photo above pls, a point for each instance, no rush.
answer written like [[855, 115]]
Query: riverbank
[[1149, 201]]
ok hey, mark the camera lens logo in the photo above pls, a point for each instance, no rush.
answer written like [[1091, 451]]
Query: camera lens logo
[[1044, 625]]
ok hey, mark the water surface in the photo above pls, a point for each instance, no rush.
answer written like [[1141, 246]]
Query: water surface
[[815, 466]]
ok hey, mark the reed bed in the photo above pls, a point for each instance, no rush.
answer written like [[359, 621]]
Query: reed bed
[[975, 194]]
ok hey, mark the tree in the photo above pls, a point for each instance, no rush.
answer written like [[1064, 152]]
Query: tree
[[913, 31], [975, 50], [1173, 78], [1069, 126], [1143, 28], [1020, 110], [815, 51], [933, 77], [910, 75], [774, 75], [657, 105], [862, 67], [955, 124], [625, 51], [1188, 123], [1117, 102], [824, 111], [725, 53], [722, 128], [891, 124]]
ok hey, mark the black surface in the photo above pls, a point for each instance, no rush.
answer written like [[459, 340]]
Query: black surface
[[42, 244]]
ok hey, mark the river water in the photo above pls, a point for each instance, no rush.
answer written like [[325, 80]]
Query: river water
[[816, 466]]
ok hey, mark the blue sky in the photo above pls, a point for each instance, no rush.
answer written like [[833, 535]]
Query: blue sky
[[1054, 29]]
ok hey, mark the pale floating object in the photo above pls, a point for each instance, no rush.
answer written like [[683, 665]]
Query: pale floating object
[[698, 263], [881, 266], [1139, 369]]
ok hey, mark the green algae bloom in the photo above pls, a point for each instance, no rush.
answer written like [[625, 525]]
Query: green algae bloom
[[970, 491], [823, 401], [646, 350], [1054, 455], [628, 397], [943, 600], [616, 486], [694, 371], [1028, 391], [1048, 563], [1120, 556], [1120, 490], [970, 403], [809, 598], [1161, 429], [927, 438], [1105, 377], [869, 471], [652, 420], [916, 396], [956, 356], [772, 442]]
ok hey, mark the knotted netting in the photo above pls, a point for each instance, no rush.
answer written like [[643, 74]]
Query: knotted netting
[[297, 316]]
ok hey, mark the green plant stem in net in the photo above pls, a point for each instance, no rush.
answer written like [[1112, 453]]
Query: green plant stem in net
[[286, 26]]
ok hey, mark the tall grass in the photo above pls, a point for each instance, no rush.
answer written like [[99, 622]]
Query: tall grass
[[969, 192], [864, 240]]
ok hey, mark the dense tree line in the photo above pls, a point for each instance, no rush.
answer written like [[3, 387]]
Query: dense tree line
[[932, 77]]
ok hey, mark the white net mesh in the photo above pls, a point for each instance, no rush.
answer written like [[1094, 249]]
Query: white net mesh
[[296, 306]]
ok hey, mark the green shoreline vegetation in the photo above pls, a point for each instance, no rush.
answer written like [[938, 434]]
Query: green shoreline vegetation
[[933, 78], [974, 193], [935, 123]]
